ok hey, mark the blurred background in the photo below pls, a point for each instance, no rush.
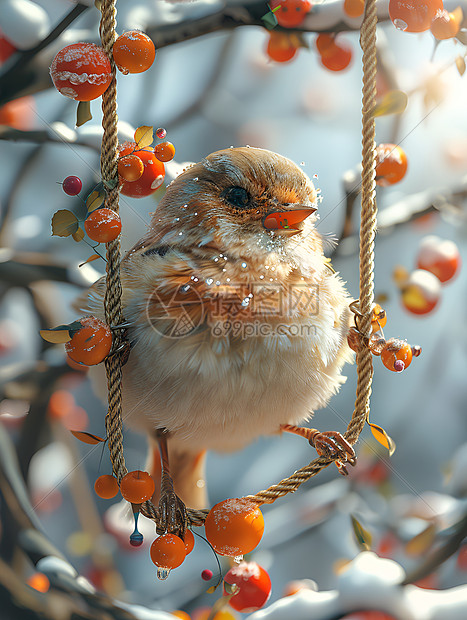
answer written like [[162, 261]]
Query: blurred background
[[210, 92]]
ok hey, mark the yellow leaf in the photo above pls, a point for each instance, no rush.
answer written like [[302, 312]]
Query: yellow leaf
[[460, 64], [144, 136], [83, 113], [58, 335], [95, 198], [393, 102], [422, 542], [78, 235], [380, 435], [64, 223], [363, 536], [87, 437], [90, 259]]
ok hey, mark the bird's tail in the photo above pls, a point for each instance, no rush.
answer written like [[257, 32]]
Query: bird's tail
[[187, 471]]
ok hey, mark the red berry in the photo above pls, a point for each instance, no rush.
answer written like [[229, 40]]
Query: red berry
[[81, 71], [137, 486], [207, 574], [439, 256], [413, 15], [168, 551], [161, 133], [133, 52], [337, 58], [254, 586], [103, 225], [152, 177], [291, 12], [72, 185]]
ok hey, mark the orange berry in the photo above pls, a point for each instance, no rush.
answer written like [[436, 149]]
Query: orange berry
[[130, 168], [18, 113], [396, 355], [413, 15], [137, 486], [440, 256], [189, 541], [421, 293], [39, 582], [291, 12], [234, 526], [91, 343], [379, 318], [325, 43], [339, 60], [165, 151], [354, 8], [133, 52], [203, 613], [182, 615], [445, 25], [280, 48], [168, 551], [103, 225], [106, 486], [81, 71], [391, 164], [152, 177], [61, 403]]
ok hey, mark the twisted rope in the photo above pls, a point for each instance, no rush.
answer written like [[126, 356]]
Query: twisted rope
[[113, 311], [113, 293]]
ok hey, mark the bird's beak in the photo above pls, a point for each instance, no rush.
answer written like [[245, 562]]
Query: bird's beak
[[286, 220]]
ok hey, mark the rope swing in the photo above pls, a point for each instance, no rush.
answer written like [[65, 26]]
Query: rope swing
[[363, 309]]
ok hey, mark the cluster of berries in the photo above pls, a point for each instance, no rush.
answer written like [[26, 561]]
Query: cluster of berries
[[396, 354], [422, 15]]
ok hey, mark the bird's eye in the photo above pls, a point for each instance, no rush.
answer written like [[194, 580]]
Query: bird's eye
[[237, 197]]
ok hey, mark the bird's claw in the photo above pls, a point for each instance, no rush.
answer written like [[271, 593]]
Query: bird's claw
[[332, 443], [172, 515]]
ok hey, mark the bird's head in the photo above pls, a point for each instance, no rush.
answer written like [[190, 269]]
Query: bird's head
[[248, 202]]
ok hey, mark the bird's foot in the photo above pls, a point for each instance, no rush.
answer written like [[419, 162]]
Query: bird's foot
[[172, 515], [331, 443]]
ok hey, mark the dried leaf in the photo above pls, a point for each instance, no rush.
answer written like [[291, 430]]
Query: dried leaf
[[88, 438], [211, 590], [422, 542], [96, 198], [90, 259], [380, 435], [78, 235], [83, 113], [363, 536], [144, 136], [57, 335], [460, 64], [393, 102], [64, 223]]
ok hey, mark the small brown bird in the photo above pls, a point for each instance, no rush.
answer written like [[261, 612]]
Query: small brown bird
[[237, 322]]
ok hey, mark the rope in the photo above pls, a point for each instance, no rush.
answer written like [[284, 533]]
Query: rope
[[113, 310], [113, 293]]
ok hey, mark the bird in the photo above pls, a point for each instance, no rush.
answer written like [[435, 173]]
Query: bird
[[236, 320]]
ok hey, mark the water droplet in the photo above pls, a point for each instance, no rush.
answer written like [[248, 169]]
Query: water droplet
[[209, 281], [216, 259], [195, 280], [400, 24], [250, 295], [302, 163], [136, 539], [225, 257], [163, 573], [180, 234], [185, 207], [315, 176], [244, 265], [177, 219], [224, 270], [246, 302], [221, 255], [185, 288], [218, 282], [161, 133], [228, 279], [195, 179], [261, 277], [238, 558], [196, 212]]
